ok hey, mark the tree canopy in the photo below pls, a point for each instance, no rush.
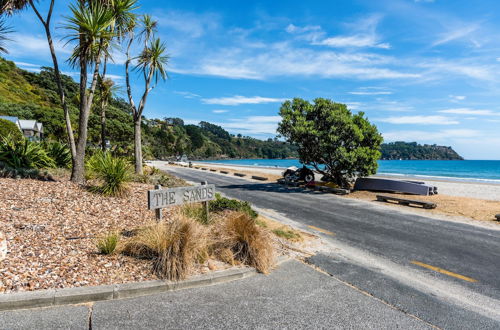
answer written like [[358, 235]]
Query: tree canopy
[[336, 142]]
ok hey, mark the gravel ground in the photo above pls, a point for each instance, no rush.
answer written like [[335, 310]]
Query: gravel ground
[[51, 230]]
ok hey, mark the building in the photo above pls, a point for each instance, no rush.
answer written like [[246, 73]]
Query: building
[[31, 129]]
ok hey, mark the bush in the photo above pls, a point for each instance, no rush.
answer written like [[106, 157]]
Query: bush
[[222, 203], [107, 244], [239, 238], [195, 211], [336, 142], [24, 154], [60, 153], [9, 128], [114, 172], [174, 246]]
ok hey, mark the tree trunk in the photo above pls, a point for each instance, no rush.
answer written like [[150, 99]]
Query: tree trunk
[[57, 75], [103, 126], [137, 146], [78, 171]]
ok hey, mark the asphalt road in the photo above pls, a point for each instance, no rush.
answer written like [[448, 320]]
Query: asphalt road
[[467, 257]]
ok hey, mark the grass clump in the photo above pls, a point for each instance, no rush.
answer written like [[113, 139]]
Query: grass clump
[[113, 172], [238, 238], [108, 243], [288, 234], [195, 211], [174, 246], [222, 203]]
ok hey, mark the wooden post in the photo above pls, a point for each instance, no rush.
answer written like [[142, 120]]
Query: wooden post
[[205, 204], [158, 212]]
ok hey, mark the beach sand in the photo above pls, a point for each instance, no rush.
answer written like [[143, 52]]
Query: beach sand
[[478, 201]]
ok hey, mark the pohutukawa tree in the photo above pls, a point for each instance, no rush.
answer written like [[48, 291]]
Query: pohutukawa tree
[[151, 65], [336, 142]]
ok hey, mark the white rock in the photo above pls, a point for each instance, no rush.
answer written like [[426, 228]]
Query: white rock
[[3, 246]]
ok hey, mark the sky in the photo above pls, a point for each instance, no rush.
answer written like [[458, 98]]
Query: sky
[[421, 70]]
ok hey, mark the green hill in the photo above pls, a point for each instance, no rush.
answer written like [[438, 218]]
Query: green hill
[[413, 150]]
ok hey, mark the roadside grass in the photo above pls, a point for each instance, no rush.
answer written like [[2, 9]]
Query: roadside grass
[[174, 246], [288, 234], [237, 239], [107, 244]]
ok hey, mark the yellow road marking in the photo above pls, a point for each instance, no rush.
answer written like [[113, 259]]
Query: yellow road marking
[[443, 271], [322, 230]]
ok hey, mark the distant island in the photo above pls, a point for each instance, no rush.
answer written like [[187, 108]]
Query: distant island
[[414, 151]]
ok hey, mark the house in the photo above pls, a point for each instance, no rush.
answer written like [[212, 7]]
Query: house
[[32, 129]]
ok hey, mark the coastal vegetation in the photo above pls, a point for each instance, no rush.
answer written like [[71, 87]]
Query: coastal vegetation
[[337, 143], [414, 151]]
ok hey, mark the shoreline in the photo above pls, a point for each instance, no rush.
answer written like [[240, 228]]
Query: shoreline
[[396, 176]]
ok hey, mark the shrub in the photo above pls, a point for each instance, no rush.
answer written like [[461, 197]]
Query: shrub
[[9, 128], [222, 203], [174, 246], [60, 153], [195, 211], [24, 154], [239, 238], [107, 244], [114, 172]]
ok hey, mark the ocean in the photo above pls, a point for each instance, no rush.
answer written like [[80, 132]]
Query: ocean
[[455, 170]]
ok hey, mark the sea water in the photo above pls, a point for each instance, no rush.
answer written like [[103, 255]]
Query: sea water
[[456, 170]]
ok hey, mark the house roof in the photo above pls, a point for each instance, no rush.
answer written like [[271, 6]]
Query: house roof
[[28, 125]]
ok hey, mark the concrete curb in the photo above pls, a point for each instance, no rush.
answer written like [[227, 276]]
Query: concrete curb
[[79, 295]]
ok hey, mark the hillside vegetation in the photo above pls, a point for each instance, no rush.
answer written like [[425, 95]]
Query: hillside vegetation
[[413, 150]]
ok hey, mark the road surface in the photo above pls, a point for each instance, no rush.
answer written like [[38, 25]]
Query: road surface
[[446, 273]]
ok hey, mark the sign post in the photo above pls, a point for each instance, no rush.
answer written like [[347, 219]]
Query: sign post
[[161, 198], [205, 204]]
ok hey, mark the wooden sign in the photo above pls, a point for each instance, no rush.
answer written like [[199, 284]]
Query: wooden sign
[[160, 198]]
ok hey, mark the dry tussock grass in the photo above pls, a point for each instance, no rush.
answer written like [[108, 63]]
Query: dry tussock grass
[[238, 239], [175, 246]]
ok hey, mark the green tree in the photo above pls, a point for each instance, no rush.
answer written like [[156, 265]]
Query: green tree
[[336, 142], [89, 29], [151, 63]]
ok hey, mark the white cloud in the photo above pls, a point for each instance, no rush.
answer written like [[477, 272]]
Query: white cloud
[[29, 44], [353, 41], [253, 125], [456, 98], [187, 95], [238, 99], [371, 93], [188, 23], [468, 111], [297, 29], [430, 136], [220, 111], [456, 33], [420, 120]]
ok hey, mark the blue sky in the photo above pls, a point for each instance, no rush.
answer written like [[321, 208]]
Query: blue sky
[[421, 70]]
